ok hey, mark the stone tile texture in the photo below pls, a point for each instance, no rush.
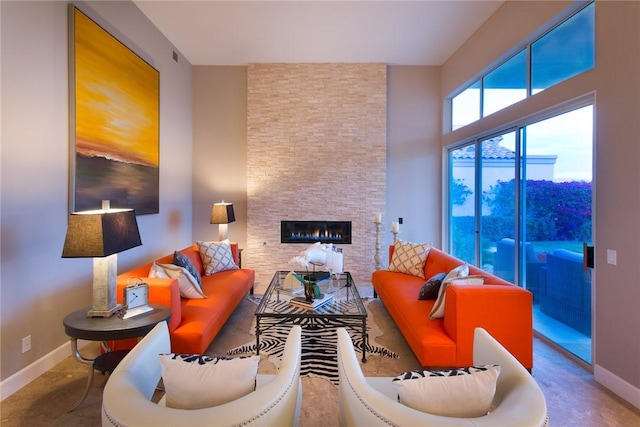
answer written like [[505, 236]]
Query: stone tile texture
[[316, 137]]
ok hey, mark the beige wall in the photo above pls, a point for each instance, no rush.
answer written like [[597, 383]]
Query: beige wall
[[414, 162], [38, 288], [614, 81], [219, 148]]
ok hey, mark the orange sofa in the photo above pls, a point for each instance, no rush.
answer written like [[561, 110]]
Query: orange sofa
[[194, 323], [501, 308]]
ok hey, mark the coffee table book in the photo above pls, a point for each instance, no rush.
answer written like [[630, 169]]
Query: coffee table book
[[317, 302]]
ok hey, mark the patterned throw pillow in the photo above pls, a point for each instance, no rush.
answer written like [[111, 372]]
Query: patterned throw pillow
[[464, 392], [181, 260], [216, 256], [193, 381], [189, 287], [430, 288], [409, 258]]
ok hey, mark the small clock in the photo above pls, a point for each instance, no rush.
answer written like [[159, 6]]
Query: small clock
[[136, 299], [136, 295]]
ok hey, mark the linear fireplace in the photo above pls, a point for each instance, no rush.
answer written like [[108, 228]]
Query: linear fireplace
[[338, 232]]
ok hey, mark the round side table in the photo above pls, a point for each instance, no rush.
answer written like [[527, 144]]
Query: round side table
[[78, 326]]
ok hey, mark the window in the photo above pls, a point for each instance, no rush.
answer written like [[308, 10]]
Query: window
[[564, 52], [466, 107], [520, 207], [505, 85]]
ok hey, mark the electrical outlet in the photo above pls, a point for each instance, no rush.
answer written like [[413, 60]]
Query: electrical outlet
[[26, 343]]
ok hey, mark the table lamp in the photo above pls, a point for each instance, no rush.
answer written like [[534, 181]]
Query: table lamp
[[222, 214], [101, 234]]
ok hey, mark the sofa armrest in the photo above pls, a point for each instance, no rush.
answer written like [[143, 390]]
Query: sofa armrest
[[235, 253], [504, 311], [161, 291]]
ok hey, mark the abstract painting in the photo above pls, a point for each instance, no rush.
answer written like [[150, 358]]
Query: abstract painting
[[115, 122]]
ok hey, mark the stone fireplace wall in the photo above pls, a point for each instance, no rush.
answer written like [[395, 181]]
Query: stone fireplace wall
[[316, 150]]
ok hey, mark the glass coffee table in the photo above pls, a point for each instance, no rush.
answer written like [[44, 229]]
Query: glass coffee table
[[345, 310]]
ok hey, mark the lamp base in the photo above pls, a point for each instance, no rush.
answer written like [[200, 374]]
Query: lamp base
[[223, 231], [104, 287], [104, 313]]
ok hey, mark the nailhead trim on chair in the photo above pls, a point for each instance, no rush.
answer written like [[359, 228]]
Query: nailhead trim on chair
[[365, 404], [264, 412], [244, 423], [110, 419], [546, 421]]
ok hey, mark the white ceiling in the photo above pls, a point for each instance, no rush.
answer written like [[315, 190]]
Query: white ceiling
[[211, 32]]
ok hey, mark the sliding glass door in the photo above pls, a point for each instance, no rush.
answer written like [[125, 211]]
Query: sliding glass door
[[522, 209]]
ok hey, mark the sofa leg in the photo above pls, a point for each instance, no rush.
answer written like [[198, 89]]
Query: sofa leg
[[375, 294], [251, 290]]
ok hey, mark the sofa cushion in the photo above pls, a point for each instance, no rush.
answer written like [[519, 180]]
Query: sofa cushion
[[197, 381], [430, 288], [189, 286], [216, 256], [182, 260], [409, 258], [463, 392]]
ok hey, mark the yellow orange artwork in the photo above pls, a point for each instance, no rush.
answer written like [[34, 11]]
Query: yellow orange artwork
[[116, 125]]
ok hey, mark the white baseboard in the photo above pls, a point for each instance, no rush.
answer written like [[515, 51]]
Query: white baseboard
[[617, 385], [23, 377]]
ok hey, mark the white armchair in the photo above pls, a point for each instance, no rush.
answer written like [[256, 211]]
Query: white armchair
[[372, 401], [127, 395]]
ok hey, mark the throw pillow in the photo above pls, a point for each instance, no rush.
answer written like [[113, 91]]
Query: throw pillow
[[195, 381], [461, 270], [181, 260], [430, 288], [409, 258], [189, 287], [437, 312], [463, 393], [216, 256]]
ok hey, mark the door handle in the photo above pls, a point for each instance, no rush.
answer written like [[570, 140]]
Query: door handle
[[587, 256]]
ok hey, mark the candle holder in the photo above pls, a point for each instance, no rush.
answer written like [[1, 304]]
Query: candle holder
[[376, 257]]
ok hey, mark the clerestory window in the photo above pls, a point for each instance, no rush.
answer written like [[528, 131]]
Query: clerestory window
[[563, 52]]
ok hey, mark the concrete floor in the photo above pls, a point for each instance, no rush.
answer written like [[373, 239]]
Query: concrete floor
[[573, 397]]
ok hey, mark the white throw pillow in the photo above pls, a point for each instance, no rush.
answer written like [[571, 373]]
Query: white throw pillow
[[456, 275], [459, 271], [463, 393], [189, 286], [216, 256], [409, 258], [196, 381]]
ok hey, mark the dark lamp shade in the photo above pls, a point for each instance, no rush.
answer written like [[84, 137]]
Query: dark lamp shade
[[222, 213], [100, 233]]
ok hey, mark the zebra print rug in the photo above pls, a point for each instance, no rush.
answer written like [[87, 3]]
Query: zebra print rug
[[319, 339]]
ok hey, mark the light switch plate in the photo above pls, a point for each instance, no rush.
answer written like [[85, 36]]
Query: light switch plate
[[612, 257]]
